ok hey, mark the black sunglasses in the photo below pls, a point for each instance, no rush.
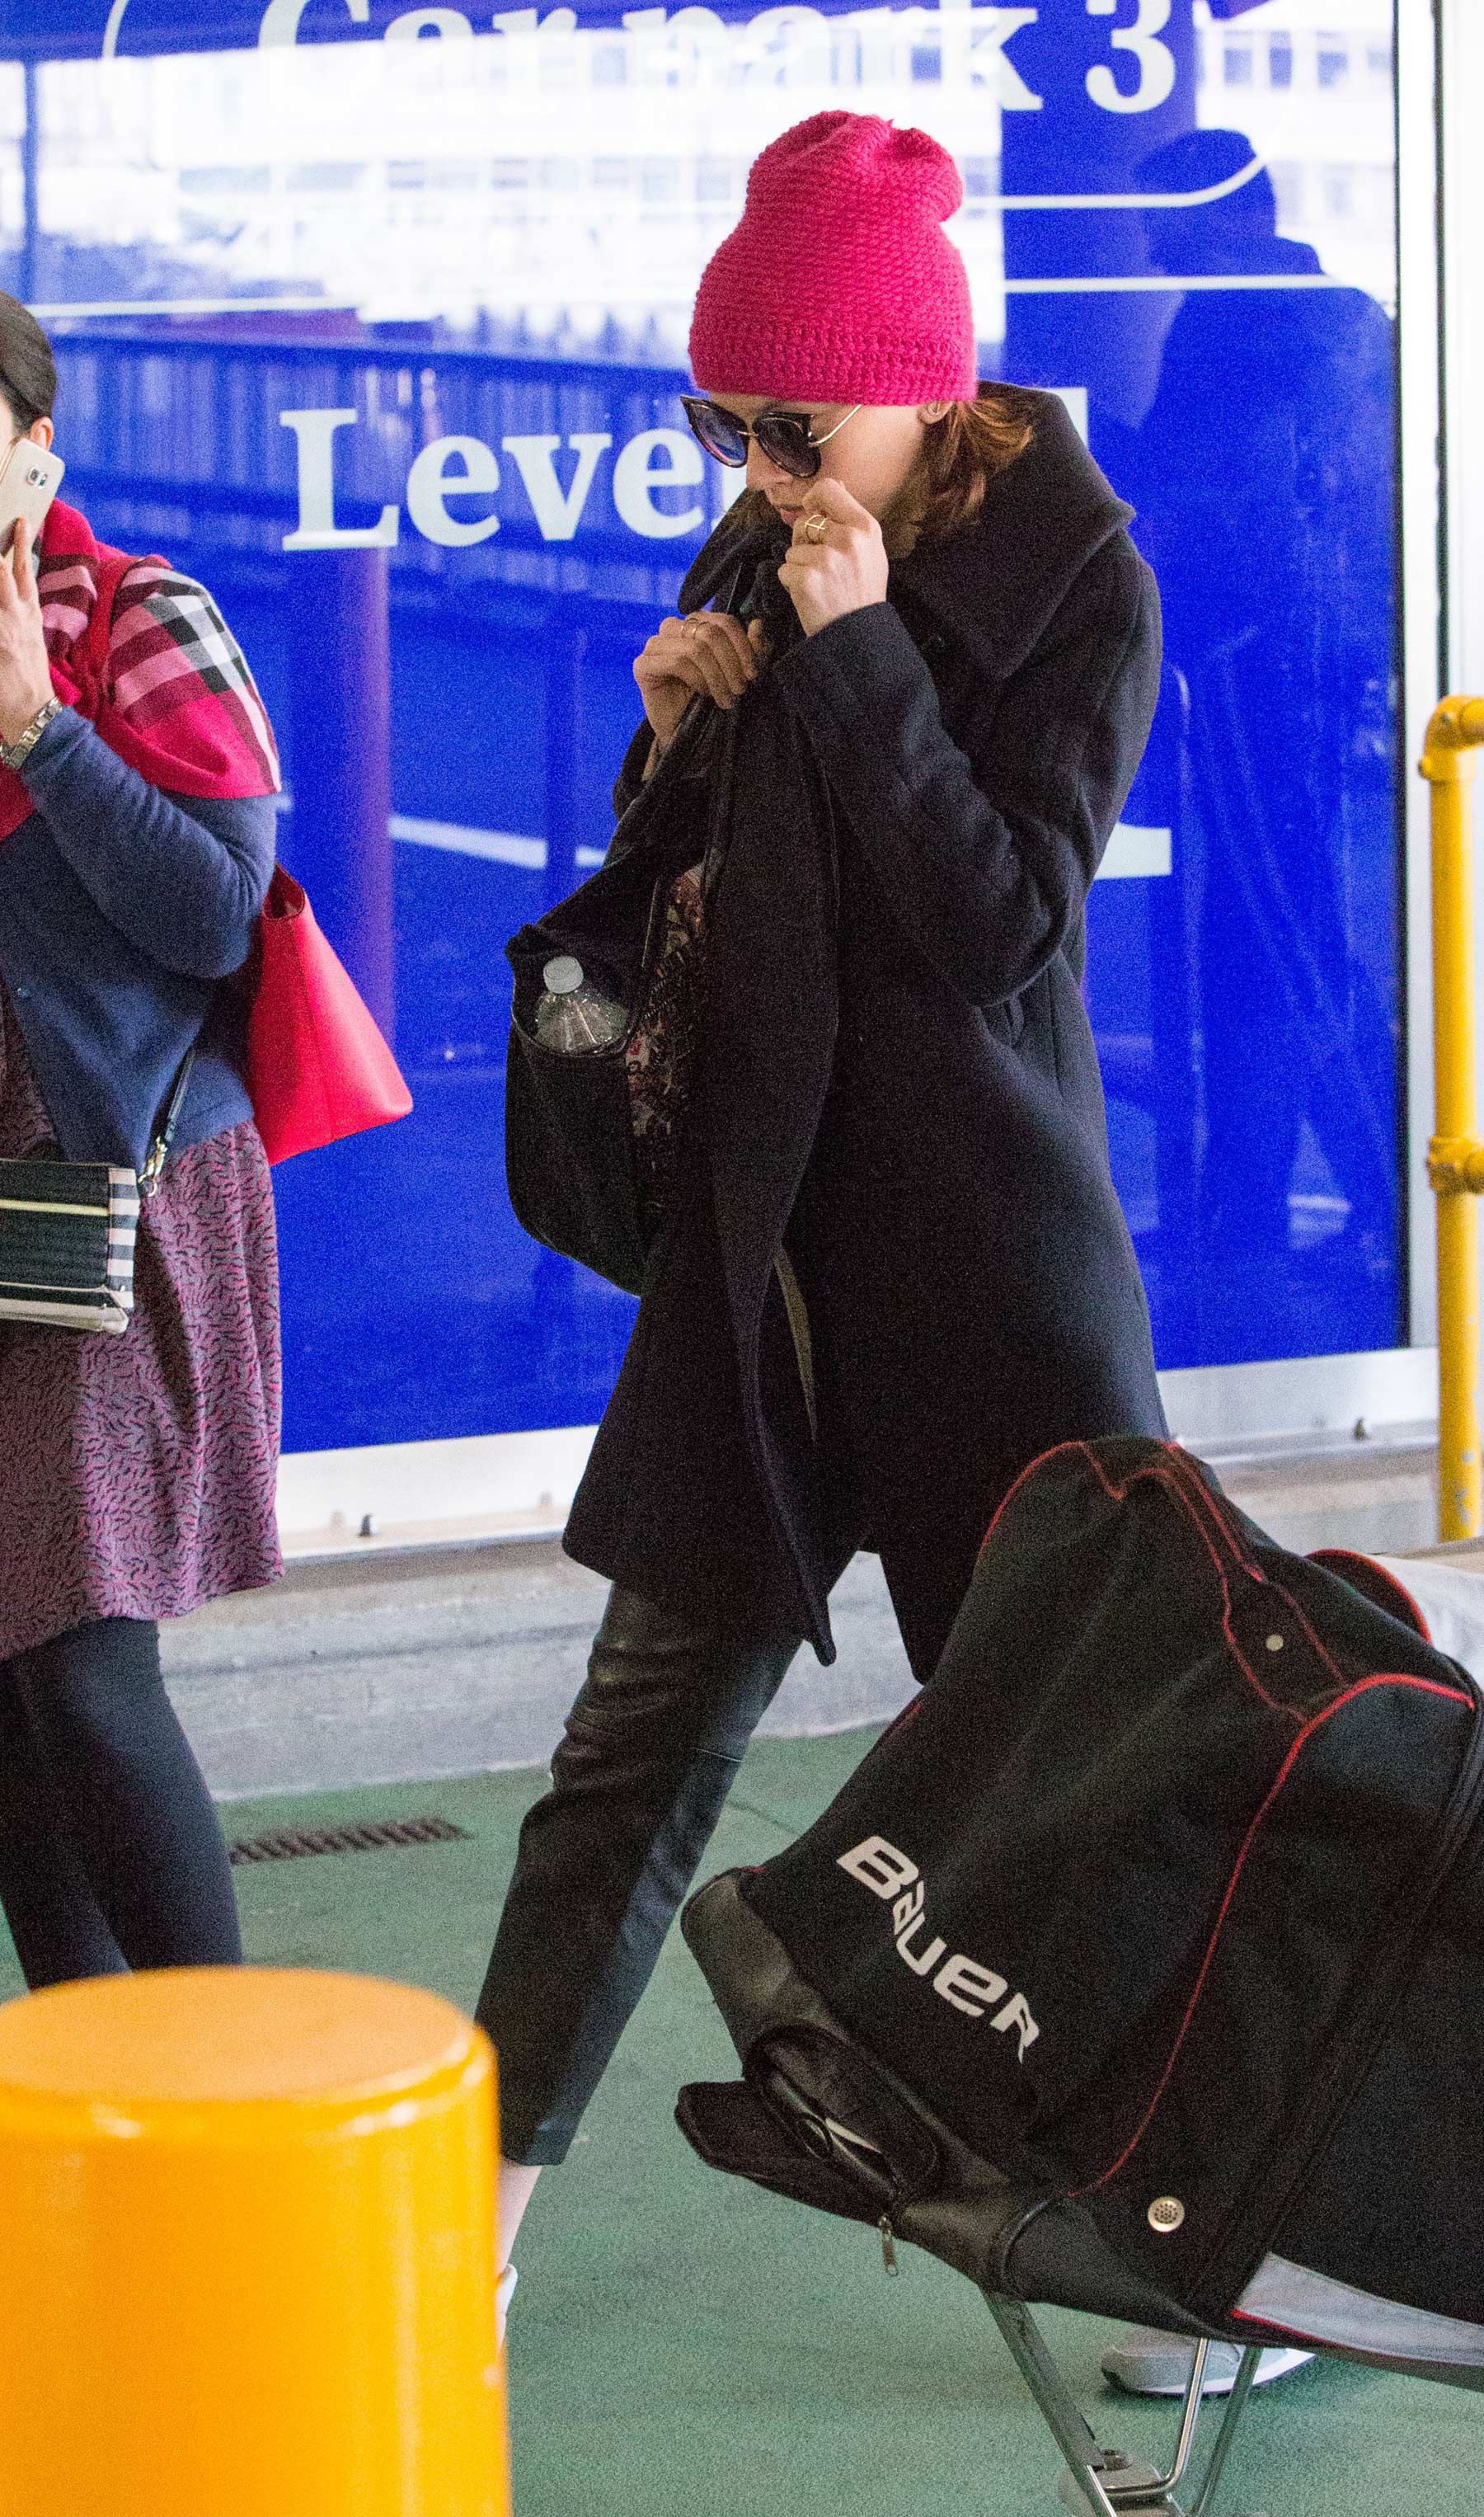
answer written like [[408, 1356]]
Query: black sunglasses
[[784, 436]]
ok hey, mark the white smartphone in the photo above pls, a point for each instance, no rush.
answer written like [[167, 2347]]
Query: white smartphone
[[28, 483]]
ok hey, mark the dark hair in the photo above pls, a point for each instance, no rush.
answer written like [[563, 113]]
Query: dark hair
[[28, 369], [961, 452]]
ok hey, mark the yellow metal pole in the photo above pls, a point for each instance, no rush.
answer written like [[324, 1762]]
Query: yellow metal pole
[[248, 2232], [1456, 1156]]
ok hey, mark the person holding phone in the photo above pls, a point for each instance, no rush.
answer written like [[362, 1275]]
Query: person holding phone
[[893, 1269], [137, 773]]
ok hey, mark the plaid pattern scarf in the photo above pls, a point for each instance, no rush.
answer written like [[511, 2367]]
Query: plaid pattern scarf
[[167, 685]]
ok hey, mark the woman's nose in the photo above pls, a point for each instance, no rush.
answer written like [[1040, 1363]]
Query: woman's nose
[[762, 472]]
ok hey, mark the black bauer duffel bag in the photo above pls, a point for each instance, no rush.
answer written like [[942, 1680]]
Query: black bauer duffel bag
[[1141, 1962]]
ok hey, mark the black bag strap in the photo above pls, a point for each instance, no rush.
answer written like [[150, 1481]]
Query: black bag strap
[[159, 1152]]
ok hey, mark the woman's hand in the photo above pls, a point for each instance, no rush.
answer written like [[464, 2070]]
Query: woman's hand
[[26, 674], [708, 654], [837, 564]]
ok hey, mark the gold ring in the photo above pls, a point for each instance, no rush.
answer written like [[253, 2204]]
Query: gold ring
[[816, 528]]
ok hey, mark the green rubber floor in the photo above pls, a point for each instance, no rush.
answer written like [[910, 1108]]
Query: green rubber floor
[[682, 2346]]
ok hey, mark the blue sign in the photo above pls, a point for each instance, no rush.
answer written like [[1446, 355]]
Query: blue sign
[[374, 318], [103, 29]]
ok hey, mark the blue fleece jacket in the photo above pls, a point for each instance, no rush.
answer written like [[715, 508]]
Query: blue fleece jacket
[[122, 910]]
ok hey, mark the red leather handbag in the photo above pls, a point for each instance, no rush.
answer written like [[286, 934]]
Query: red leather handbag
[[318, 1068]]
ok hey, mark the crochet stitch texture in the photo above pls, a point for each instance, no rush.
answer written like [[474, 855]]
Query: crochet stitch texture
[[839, 283]]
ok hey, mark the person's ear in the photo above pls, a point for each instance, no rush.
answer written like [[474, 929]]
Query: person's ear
[[41, 431], [930, 412]]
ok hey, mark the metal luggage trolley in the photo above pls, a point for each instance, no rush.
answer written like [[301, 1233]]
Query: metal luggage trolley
[[818, 2121], [1099, 2479]]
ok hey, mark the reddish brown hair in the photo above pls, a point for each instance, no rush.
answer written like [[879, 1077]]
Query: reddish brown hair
[[961, 452]]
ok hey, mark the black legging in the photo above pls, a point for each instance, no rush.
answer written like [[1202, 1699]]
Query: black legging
[[110, 1853]]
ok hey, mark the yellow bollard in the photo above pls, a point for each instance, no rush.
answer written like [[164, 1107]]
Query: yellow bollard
[[246, 2232], [1456, 1156]]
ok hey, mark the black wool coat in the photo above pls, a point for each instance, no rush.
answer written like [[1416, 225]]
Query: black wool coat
[[899, 1086]]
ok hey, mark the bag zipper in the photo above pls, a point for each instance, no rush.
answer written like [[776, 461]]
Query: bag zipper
[[1232, 2260]]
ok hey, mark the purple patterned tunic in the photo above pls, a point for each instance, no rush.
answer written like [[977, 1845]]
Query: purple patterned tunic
[[137, 1473]]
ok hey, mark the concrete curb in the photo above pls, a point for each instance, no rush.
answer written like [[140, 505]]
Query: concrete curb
[[382, 1668]]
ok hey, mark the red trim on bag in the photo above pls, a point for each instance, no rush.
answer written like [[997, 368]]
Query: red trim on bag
[[1026, 1473], [1158, 1473], [1363, 1686], [1172, 1471], [1335, 1559], [1290, 2332], [1187, 1489]]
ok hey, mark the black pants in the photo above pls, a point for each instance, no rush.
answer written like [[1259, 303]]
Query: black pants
[[110, 1853], [637, 1785]]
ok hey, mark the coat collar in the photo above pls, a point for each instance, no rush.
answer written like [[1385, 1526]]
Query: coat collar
[[996, 585]]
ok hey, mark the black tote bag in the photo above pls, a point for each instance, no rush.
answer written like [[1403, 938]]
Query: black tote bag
[[571, 1157]]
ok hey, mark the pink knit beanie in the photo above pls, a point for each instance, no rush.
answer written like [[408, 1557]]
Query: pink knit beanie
[[840, 283]]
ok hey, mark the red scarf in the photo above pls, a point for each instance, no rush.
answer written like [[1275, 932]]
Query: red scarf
[[152, 664]]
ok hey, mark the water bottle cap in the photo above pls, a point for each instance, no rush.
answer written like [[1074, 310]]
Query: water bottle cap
[[563, 975]]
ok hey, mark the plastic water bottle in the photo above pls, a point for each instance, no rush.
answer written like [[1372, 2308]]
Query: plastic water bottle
[[572, 1014]]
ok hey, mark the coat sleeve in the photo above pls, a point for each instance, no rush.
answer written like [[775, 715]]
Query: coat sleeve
[[182, 877], [984, 847]]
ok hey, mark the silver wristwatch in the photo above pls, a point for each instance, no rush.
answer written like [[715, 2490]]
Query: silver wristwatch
[[15, 754]]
